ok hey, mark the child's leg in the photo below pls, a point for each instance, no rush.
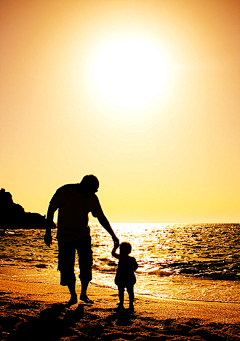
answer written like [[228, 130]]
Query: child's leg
[[131, 296], [121, 296]]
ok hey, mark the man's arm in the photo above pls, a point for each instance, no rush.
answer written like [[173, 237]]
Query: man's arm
[[105, 223], [50, 223]]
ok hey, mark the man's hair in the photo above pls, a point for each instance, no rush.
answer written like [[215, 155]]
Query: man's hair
[[90, 181]]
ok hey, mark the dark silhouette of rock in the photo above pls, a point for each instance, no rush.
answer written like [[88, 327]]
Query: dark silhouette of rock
[[13, 216]]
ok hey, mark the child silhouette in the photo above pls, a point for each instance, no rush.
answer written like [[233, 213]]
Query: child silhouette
[[125, 277]]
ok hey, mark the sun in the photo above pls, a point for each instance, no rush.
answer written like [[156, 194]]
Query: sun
[[129, 73]]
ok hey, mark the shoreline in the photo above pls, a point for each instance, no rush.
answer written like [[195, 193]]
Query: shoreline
[[25, 301], [31, 283]]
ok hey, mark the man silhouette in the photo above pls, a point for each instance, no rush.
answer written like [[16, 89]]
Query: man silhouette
[[74, 202]]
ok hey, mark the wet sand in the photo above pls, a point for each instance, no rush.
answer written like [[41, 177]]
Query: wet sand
[[32, 310]]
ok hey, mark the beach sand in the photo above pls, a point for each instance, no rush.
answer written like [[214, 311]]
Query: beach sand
[[33, 310]]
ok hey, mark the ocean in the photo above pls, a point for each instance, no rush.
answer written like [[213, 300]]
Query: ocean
[[197, 262]]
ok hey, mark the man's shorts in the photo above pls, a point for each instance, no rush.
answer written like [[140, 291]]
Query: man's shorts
[[66, 260]]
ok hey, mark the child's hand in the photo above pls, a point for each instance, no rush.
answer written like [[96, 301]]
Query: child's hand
[[116, 245]]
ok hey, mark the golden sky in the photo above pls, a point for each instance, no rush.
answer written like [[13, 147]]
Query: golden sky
[[143, 94]]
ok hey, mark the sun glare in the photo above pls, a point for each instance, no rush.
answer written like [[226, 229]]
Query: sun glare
[[129, 73]]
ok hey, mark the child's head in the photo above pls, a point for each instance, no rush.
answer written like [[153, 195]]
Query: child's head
[[125, 248]]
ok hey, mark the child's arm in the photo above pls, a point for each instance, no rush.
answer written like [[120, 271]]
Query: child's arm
[[114, 254]]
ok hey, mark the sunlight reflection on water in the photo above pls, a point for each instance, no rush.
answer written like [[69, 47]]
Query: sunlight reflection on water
[[187, 261]]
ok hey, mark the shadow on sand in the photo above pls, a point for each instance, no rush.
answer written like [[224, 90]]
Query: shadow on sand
[[27, 320]]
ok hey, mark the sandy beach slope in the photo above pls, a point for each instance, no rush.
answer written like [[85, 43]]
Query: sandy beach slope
[[32, 310]]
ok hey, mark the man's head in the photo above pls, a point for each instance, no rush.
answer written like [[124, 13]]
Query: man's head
[[89, 185]]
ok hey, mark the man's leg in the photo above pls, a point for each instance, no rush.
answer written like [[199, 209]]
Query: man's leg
[[85, 265], [84, 286], [72, 290], [66, 263]]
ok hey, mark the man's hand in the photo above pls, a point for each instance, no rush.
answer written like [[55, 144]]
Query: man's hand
[[116, 242], [50, 224], [48, 238]]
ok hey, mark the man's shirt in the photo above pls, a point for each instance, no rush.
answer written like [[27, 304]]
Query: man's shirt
[[73, 212]]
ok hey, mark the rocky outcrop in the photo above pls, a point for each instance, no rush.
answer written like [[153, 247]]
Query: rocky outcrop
[[13, 216]]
